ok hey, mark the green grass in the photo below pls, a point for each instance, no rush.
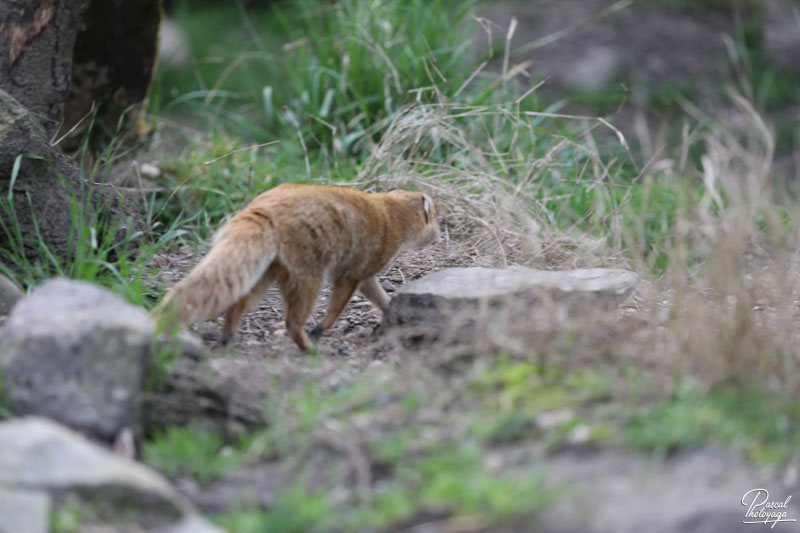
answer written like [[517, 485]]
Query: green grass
[[191, 452], [104, 251], [329, 71], [451, 483], [761, 425], [323, 79], [295, 510], [70, 517], [439, 469]]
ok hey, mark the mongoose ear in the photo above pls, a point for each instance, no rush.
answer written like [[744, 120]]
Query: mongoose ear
[[426, 206]]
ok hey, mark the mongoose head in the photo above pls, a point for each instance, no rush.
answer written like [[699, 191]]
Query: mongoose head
[[424, 229]]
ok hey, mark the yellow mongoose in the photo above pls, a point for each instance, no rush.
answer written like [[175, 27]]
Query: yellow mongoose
[[298, 235]]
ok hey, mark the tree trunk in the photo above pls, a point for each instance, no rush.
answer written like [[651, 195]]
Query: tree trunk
[[36, 44], [62, 58], [113, 63], [59, 59]]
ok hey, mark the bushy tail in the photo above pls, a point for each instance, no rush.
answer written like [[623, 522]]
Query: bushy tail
[[240, 256]]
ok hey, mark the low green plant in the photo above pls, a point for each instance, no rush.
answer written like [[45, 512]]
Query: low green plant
[[165, 350], [191, 452], [761, 425], [296, 510], [452, 478], [69, 517]]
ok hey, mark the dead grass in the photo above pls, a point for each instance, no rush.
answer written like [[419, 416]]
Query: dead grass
[[732, 285], [487, 197]]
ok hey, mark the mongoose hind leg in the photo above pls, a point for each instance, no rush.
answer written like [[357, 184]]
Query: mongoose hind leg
[[342, 292], [230, 328], [298, 302]]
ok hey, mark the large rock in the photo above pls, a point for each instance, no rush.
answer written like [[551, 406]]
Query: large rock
[[79, 354], [10, 294], [463, 302], [47, 469], [433, 296]]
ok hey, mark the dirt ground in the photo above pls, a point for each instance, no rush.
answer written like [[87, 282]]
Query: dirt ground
[[604, 488]]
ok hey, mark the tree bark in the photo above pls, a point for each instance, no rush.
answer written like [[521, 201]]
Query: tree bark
[[36, 45], [113, 63], [59, 59], [63, 58]]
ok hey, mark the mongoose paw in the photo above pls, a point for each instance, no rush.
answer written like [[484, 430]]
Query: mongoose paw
[[316, 333], [225, 339]]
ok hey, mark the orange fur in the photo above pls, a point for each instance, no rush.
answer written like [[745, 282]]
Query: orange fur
[[298, 235]]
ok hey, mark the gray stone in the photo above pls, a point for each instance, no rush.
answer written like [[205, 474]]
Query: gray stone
[[24, 510], [436, 298], [517, 309], [45, 465], [77, 353], [10, 294]]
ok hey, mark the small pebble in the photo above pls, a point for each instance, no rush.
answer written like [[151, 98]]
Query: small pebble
[[149, 170], [579, 435]]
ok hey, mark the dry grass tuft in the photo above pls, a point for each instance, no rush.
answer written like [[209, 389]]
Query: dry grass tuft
[[491, 198], [735, 276]]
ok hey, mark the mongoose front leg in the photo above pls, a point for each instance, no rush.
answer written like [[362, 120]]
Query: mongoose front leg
[[373, 291], [342, 292]]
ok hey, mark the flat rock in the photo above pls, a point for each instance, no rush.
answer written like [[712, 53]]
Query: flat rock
[[46, 466], [24, 510], [79, 354], [435, 298], [478, 282], [10, 294]]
